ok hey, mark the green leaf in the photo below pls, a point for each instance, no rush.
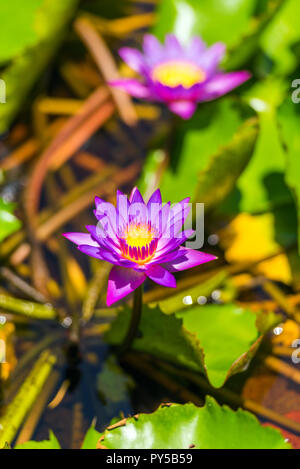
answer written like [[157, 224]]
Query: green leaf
[[52, 443], [289, 118], [217, 179], [187, 426], [19, 27], [280, 37], [50, 21], [195, 141], [214, 20], [261, 186], [91, 439], [175, 302], [8, 222], [218, 340], [112, 382]]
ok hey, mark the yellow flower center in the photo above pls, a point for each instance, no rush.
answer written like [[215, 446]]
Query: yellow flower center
[[175, 73], [138, 242]]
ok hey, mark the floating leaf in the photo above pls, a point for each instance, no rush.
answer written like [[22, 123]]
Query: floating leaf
[[204, 289], [187, 426], [91, 439], [19, 30], [261, 186], [217, 179], [50, 21], [8, 222], [289, 118], [281, 35], [195, 141], [218, 340], [217, 20], [52, 443]]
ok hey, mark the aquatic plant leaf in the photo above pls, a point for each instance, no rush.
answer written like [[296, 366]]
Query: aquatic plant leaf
[[261, 185], [217, 340], [195, 142], [280, 37], [184, 426], [19, 27], [25, 67], [289, 118], [217, 179], [9, 224], [91, 439], [52, 443], [217, 20]]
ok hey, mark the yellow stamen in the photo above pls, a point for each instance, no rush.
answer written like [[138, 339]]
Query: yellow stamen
[[175, 73], [138, 235]]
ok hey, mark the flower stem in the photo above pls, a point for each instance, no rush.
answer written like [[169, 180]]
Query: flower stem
[[135, 320]]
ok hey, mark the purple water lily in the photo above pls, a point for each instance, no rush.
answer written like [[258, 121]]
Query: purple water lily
[[141, 240], [179, 76]]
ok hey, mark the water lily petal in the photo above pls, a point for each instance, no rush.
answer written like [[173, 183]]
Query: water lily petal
[[161, 276], [210, 59], [188, 258], [122, 282], [221, 84], [81, 238], [132, 87], [184, 109], [133, 57]]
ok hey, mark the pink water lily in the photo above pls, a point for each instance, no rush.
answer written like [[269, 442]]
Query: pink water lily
[[141, 241], [179, 76]]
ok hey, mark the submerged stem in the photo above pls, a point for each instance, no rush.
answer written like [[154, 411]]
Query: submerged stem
[[135, 320]]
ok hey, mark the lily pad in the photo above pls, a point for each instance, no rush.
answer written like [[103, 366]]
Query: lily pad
[[214, 20], [196, 142], [25, 67], [187, 426], [261, 186], [217, 340], [52, 443], [19, 27], [289, 118]]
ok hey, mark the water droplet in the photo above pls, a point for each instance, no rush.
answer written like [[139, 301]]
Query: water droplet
[[2, 320], [201, 300], [67, 322], [278, 330], [187, 300], [213, 239], [216, 295]]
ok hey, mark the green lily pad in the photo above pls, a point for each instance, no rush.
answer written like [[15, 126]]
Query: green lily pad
[[91, 439], [8, 222], [187, 426], [214, 20], [19, 28], [50, 20], [195, 143], [289, 118], [218, 178], [281, 35], [261, 186], [52, 443], [217, 340]]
